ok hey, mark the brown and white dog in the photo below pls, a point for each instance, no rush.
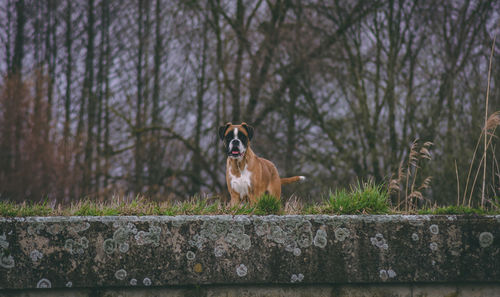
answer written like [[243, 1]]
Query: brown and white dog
[[248, 176]]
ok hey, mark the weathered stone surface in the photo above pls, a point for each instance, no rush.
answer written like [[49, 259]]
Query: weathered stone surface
[[102, 252], [279, 290]]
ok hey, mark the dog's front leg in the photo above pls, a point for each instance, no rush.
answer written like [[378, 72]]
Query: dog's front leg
[[235, 199]]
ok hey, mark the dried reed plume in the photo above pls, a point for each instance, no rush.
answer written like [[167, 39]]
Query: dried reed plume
[[408, 175]]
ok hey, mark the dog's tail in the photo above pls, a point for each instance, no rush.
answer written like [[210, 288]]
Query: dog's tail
[[289, 180]]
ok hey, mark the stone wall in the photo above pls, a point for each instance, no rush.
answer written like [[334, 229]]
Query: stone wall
[[302, 255]]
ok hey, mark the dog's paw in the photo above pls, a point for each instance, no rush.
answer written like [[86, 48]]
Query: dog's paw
[[302, 178]]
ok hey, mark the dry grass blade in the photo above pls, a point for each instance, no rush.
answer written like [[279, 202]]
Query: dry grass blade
[[293, 205], [486, 120], [426, 183], [424, 153], [493, 121], [394, 186]]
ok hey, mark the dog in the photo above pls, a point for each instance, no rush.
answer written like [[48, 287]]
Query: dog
[[248, 176]]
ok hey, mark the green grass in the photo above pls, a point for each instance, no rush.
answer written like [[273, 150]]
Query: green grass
[[363, 198], [453, 210], [267, 205]]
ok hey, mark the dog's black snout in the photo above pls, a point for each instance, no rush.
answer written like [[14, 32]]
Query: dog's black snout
[[235, 141]]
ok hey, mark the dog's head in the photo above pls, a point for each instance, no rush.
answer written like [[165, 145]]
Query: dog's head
[[236, 138]]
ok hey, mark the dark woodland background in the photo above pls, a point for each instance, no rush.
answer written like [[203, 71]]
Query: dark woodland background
[[104, 98]]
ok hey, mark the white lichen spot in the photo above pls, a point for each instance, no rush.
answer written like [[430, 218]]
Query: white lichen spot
[[109, 246], [4, 244], [151, 237], [434, 229], [76, 246], [6, 260], [433, 246], [391, 273], [485, 239], [241, 270], [297, 278], [121, 274], [120, 237], [320, 238], [79, 227], [44, 284], [433, 262], [146, 281], [35, 255], [277, 234], [133, 282], [219, 251], [414, 237], [297, 252], [123, 247], [69, 284], [190, 255], [452, 218], [342, 234], [383, 274], [379, 241], [197, 241], [386, 274]]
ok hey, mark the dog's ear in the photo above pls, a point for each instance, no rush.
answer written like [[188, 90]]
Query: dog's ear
[[222, 130], [249, 130]]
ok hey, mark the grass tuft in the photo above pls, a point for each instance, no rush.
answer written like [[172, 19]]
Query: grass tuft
[[267, 204], [452, 209], [365, 198]]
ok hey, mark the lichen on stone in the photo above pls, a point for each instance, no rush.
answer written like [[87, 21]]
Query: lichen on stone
[[296, 278], [296, 252], [44, 284], [6, 260], [120, 238], [36, 255], [241, 270], [121, 274], [133, 282], [190, 255], [433, 246], [342, 234], [79, 227], [36, 228], [4, 244], [320, 239], [379, 241], [151, 237], [434, 229], [146, 281], [386, 274], [76, 246], [485, 239], [109, 245], [414, 237], [232, 231], [219, 250]]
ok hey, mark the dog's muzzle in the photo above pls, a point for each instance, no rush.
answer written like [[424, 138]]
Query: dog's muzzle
[[235, 149]]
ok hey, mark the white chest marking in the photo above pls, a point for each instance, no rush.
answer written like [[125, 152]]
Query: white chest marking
[[241, 184]]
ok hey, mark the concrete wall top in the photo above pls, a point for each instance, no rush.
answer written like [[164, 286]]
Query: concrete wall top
[[99, 252]]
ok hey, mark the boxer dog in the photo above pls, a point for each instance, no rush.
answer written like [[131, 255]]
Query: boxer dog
[[248, 176]]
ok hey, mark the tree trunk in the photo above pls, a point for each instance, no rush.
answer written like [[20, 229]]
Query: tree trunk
[[89, 94]]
